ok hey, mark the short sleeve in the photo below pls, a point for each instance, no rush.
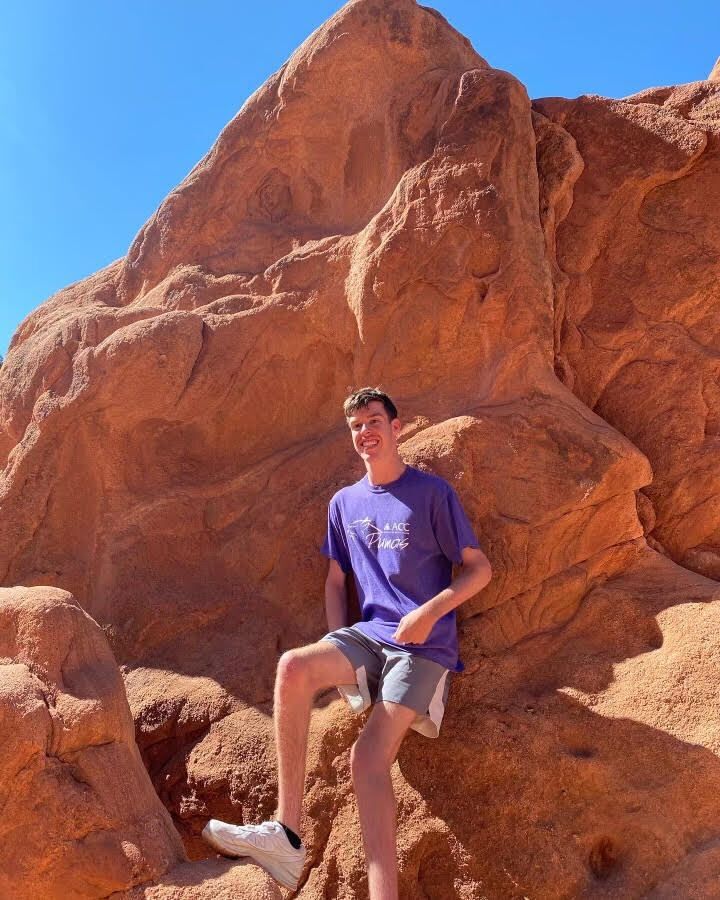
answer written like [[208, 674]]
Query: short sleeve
[[452, 527], [335, 543]]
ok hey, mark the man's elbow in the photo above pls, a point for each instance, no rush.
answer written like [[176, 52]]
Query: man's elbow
[[336, 579], [477, 565], [481, 574], [478, 569], [334, 582]]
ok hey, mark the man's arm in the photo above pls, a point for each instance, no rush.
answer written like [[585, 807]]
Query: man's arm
[[336, 605], [415, 626], [473, 577]]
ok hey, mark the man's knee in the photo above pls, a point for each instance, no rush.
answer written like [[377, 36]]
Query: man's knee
[[367, 761], [301, 669], [293, 670]]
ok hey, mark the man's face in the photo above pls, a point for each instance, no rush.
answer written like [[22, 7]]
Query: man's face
[[374, 436]]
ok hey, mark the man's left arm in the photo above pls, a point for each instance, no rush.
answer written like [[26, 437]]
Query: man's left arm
[[415, 626]]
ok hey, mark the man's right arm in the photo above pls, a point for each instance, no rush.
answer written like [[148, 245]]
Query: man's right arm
[[336, 600]]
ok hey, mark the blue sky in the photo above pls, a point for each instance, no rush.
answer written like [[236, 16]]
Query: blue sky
[[106, 106]]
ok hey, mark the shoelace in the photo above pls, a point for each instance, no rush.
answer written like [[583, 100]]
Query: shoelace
[[258, 834]]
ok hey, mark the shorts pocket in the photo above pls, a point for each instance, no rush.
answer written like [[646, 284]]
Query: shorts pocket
[[429, 724], [357, 695]]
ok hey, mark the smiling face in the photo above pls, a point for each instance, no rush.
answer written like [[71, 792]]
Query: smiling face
[[374, 436]]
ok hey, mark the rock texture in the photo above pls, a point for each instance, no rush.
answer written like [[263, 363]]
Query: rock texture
[[215, 879], [80, 818], [637, 269], [534, 284]]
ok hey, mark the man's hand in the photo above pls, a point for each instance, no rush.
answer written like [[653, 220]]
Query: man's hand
[[414, 627]]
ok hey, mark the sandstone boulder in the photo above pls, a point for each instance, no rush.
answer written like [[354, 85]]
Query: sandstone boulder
[[635, 263], [80, 818]]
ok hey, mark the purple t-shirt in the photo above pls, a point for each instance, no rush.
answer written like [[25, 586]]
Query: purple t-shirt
[[400, 540]]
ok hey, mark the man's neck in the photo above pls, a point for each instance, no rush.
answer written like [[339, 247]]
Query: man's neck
[[385, 471]]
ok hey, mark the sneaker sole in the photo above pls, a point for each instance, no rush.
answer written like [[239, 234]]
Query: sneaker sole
[[280, 875]]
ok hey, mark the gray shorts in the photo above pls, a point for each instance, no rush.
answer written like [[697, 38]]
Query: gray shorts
[[384, 672]]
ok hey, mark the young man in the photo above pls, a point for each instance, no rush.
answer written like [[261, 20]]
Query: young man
[[398, 531]]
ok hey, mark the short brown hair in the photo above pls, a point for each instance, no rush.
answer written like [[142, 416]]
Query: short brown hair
[[363, 397]]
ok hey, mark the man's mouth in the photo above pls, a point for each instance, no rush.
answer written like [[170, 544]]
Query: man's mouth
[[368, 444]]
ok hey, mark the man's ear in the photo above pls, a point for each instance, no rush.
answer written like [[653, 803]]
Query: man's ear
[[396, 425]]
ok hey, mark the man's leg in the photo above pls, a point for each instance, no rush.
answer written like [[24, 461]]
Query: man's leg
[[371, 759], [301, 673]]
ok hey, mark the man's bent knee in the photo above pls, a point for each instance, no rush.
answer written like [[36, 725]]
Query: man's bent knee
[[367, 761], [314, 667], [293, 670]]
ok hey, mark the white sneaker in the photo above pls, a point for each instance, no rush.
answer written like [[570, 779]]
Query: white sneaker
[[266, 843]]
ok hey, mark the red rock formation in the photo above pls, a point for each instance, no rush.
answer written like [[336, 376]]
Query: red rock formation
[[636, 268], [216, 879], [80, 818], [522, 278]]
